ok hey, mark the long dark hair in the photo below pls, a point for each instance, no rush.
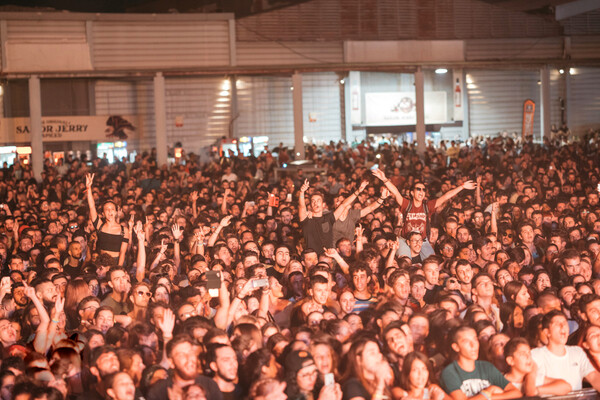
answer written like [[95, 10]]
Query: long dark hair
[[511, 289], [353, 369], [406, 367]]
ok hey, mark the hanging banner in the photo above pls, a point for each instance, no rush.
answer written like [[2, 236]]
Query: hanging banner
[[399, 108], [528, 118], [179, 121], [100, 128], [458, 94]]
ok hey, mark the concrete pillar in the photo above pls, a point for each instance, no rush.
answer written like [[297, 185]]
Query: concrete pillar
[[420, 107], [342, 92], [35, 116], [465, 106], [160, 118], [298, 116], [234, 107], [545, 116]]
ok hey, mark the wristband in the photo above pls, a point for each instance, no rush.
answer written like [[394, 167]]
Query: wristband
[[240, 298], [379, 396], [386, 181], [356, 193], [485, 394], [55, 321], [380, 202]]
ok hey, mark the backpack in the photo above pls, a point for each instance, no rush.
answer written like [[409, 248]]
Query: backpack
[[426, 209]]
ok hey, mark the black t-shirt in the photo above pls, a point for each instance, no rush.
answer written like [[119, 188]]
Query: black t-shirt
[[353, 388], [430, 294], [318, 232], [237, 393], [159, 391], [416, 259], [271, 271], [73, 272]]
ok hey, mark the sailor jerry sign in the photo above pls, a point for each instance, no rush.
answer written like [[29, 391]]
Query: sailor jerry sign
[[528, 117], [100, 128]]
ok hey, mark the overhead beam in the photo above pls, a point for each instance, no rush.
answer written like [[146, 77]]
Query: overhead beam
[[564, 11]]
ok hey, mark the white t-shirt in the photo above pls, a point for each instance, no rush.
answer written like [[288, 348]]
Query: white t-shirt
[[572, 367]]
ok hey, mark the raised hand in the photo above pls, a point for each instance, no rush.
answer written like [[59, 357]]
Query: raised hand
[[167, 323], [470, 185], [359, 231], [379, 174], [385, 193], [163, 247], [363, 185], [331, 392], [139, 231], [131, 222], [89, 181], [384, 374], [5, 285], [247, 288], [59, 305], [177, 232], [199, 236], [495, 206], [330, 252], [194, 196], [226, 220], [305, 186], [29, 291]]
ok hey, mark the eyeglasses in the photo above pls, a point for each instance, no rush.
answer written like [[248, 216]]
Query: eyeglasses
[[420, 189], [74, 226], [508, 235], [141, 293], [188, 315], [310, 374]]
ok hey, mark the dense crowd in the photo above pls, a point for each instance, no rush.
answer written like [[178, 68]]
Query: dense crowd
[[469, 271]]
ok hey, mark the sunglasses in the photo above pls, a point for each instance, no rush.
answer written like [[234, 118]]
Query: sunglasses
[[508, 235], [141, 293], [420, 189]]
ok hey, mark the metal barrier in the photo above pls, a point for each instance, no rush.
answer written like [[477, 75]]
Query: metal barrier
[[291, 171], [583, 394]]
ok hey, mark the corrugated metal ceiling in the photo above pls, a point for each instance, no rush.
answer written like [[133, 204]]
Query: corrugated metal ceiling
[[393, 20]]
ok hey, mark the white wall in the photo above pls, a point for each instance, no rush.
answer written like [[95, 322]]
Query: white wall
[[496, 100], [321, 105], [584, 100]]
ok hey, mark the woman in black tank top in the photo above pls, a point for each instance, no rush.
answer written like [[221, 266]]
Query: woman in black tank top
[[112, 236]]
